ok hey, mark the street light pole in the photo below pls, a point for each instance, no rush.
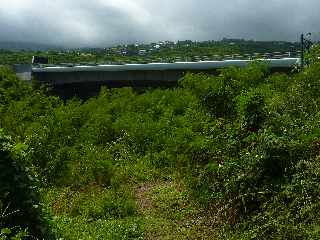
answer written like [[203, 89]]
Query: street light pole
[[302, 51]]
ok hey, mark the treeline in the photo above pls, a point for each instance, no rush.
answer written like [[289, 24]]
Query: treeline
[[169, 52], [245, 144]]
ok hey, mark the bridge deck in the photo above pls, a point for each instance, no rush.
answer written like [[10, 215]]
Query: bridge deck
[[87, 80]]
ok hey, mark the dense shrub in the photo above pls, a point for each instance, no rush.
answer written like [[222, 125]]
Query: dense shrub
[[250, 107], [246, 142], [11, 87], [19, 199]]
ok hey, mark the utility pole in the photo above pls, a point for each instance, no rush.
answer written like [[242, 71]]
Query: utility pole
[[302, 50]]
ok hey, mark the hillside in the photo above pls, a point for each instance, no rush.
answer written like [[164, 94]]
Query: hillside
[[233, 156], [145, 53]]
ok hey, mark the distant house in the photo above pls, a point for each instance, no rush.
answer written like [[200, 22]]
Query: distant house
[[142, 52]]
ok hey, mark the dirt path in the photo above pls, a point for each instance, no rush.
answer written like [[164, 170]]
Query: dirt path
[[144, 202], [169, 214]]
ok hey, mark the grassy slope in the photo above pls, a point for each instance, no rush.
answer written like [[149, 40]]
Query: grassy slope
[[233, 157]]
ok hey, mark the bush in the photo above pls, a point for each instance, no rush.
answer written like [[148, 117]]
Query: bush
[[11, 87], [19, 198], [246, 142], [251, 111]]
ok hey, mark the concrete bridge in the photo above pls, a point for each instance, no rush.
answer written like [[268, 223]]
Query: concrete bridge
[[86, 81]]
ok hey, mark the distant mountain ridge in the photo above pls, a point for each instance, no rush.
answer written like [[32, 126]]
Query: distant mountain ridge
[[28, 46]]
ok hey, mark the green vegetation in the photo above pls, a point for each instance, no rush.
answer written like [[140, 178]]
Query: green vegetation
[[20, 213], [154, 52], [233, 156]]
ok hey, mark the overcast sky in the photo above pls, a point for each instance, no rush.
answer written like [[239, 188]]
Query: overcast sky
[[75, 23]]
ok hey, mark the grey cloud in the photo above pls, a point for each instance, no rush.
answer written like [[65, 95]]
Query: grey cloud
[[105, 22]]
